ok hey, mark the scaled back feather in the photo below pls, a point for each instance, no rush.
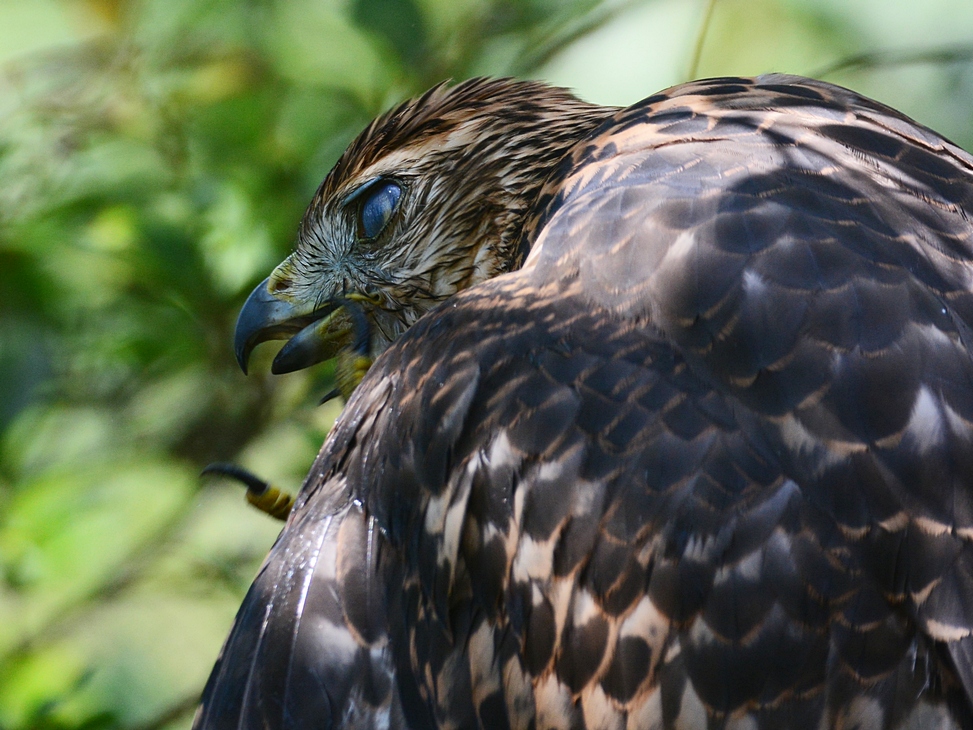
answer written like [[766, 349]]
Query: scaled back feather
[[670, 425]]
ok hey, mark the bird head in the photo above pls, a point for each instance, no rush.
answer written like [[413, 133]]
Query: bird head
[[431, 198]]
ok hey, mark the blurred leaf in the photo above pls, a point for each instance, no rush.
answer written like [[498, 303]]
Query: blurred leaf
[[236, 247], [399, 22], [31, 25], [24, 365], [156, 157], [32, 686], [65, 534], [749, 37], [347, 61], [44, 439]]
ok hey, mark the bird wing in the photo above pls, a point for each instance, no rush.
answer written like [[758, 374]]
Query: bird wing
[[309, 647], [820, 272], [706, 458]]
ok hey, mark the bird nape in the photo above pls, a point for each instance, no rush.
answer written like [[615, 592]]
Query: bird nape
[[670, 421]]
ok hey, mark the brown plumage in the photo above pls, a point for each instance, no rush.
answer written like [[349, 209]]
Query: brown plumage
[[477, 154], [692, 448]]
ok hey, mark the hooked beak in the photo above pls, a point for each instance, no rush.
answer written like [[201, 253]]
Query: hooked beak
[[314, 335]]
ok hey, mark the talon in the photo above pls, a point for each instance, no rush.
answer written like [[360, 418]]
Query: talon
[[359, 323], [330, 395], [262, 495], [354, 361]]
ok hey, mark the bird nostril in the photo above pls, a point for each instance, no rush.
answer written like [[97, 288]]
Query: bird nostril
[[280, 284]]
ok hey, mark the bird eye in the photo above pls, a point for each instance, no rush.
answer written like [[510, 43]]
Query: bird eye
[[378, 208]]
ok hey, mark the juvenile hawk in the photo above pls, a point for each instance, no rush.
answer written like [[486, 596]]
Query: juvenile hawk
[[670, 423]]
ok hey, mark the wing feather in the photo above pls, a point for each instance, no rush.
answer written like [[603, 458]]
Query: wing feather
[[312, 635], [704, 460]]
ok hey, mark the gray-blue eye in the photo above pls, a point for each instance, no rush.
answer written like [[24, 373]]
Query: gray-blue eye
[[378, 208]]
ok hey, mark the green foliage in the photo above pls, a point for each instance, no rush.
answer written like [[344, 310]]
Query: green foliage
[[155, 159]]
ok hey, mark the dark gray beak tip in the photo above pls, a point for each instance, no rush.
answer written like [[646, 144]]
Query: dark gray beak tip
[[285, 364], [261, 319], [242, 358], [304, 349]]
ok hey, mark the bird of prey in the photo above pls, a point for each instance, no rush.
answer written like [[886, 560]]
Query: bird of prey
[[670, 421]]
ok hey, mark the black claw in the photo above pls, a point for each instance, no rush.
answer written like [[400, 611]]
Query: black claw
[[265, 497], [330, 395], [254, 484]]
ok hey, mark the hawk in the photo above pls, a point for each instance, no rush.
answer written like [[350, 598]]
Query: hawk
[[670, 421]]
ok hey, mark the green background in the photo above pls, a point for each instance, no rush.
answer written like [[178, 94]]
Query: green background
[[155, 158]]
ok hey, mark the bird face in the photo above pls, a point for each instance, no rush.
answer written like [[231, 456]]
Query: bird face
[[340, 284], [430, 199], [359, 255]]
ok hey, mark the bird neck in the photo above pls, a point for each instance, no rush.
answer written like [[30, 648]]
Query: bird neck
[[508, 170]]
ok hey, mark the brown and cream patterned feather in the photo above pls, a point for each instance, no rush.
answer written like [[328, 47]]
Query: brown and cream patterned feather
[[704, 460]]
